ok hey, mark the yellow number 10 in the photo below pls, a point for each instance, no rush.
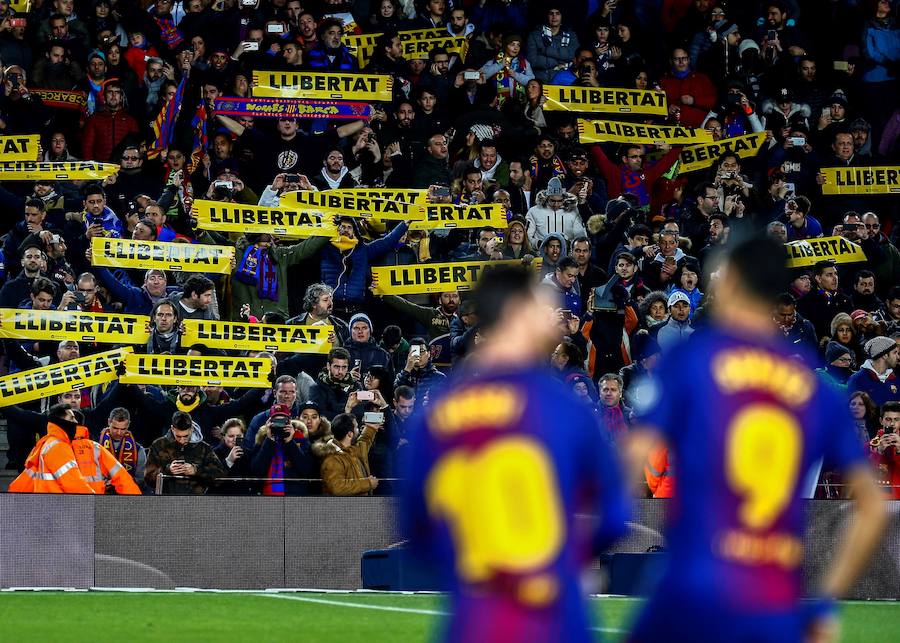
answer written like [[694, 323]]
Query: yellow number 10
[[503, 507], [762, 460]]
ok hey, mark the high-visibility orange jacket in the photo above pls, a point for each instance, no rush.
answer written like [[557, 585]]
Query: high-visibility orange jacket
[[98, 466], [658, 473], [51, 467]]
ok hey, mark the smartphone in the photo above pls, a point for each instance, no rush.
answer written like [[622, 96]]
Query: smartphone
[[146, 58], [274, 28], [373, 417], [251, 45], [826, 111], [365, 396], [18, 22], [797, 141], [415, 351], [790, 189], [177, 462], [356, 364], [224, 185], [14, 80], [471, 75], [248, 3], [292, 178], [771, 35], [442, 191], [841, 65], [56, 239]]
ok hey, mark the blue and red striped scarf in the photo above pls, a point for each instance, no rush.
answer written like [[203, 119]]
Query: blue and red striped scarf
[[276, 470], [257, 268]]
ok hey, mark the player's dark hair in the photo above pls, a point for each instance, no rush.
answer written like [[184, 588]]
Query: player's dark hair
[[496, 289], [760, 264]]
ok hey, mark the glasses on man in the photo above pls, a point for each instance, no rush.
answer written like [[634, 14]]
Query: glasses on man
[[873, 226], [131, 158]]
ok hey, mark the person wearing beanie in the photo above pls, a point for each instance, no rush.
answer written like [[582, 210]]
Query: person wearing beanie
[[364, 352], [678, 328], [838, 363], [876, 376], [554, 211]]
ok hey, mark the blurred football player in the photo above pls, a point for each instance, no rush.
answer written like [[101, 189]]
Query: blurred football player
[[504, 458], [745, 421]]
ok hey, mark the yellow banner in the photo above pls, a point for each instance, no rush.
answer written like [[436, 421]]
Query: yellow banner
[[432, 277], [698, 157], [55, 170], [569, 98], [638, 133], [62, 377], [390, 194], [861, 180], [20, 148], [419, 49], [448, 215], [164, 255], [284, 338], [20, 6], [188, 370], [281, 222], [808, 251], [57, 325], [308, 84], [356, 205], [363, 45]]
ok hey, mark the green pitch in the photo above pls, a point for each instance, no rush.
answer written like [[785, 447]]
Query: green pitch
[[97, 617]]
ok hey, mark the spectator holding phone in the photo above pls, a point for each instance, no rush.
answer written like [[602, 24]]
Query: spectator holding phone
[[182, 452], [419, 373], [345, 471]]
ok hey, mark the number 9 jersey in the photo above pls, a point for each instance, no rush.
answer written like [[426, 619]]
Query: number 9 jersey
[[498, 466], [746, 422]]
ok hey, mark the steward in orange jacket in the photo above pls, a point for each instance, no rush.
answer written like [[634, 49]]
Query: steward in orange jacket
[[658, 473], [100, 467], [51, 466]]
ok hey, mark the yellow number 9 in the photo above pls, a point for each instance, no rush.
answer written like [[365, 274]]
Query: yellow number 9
[[762, 461], [503, 507]]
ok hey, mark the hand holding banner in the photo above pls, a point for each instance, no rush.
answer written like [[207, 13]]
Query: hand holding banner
[[55, 170], [292, 108], [164, 255], [284, 338], [62, 377], [188, 370], [57, 325], [25, 147], [321, 85], [431, 277], [236, 217], [809, 251], [861, 180], [571, 98], [638, 133]]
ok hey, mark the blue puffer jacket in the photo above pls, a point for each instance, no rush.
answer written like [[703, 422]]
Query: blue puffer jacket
[[347, 272]]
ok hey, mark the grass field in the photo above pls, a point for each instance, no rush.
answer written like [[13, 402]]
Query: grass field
[[97, 617]]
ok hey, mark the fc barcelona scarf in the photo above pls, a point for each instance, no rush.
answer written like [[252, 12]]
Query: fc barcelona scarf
[[256, 268], [127, 453], [275, 485]]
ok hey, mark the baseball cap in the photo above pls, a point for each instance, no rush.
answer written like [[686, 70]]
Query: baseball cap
[[677, 296]]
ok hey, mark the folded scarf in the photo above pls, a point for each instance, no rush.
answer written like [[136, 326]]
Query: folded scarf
[[126, 454], [256, 268], [276, 470], [343, 243]]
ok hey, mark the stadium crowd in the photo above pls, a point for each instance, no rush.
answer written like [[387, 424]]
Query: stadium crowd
[[626, 239]]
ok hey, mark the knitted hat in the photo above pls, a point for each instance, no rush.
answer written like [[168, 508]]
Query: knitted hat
[[747, 44], [554, 187], [363, 318], [838, 99], [615, 208], [482, 132], [677, 296], [879, 347], [858, 313], [835, 351], [512, 38], [728, 30]]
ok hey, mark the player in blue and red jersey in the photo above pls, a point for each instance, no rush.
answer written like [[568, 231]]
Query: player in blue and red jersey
[[501, 461], [745, 422]]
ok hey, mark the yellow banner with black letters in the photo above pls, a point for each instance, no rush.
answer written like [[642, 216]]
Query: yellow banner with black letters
[[57, 325], [614, 100], [283, 338], [447, 215], [808, 252], [638, 133], [163, 255], [55, 170], [433, 277], [25, 147], [62, 377], [310, 84], [188, 370], [419, 49], [257, 219], [352, 204], [699, 157], [363, 45], [861, 180]]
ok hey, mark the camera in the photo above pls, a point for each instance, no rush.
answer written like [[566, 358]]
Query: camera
[[79, 297], [292, 178], [365, 396]]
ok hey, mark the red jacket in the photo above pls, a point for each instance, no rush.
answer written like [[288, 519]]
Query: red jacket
[[694, 84], [103, 131], [639, 183]]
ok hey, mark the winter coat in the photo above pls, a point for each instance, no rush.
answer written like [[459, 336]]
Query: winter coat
[[546, 52], [346, 471], [880, 49], [104, 131], [135, 301], [51, 467], [543, 220], [422, 380], [347, 272], [673, 332], [165, 450], [694, 84], [369, 354], [883, 388], [297, 463], [568, 299], [331, 398], [432, 318]]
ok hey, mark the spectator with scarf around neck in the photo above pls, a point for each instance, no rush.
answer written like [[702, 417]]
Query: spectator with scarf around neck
[[283, 453]]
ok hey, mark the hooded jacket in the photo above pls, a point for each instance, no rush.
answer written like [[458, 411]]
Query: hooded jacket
[[571, 298], [673, 332], [345, 472], [51, 466], [542, 220], [547, 267]]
